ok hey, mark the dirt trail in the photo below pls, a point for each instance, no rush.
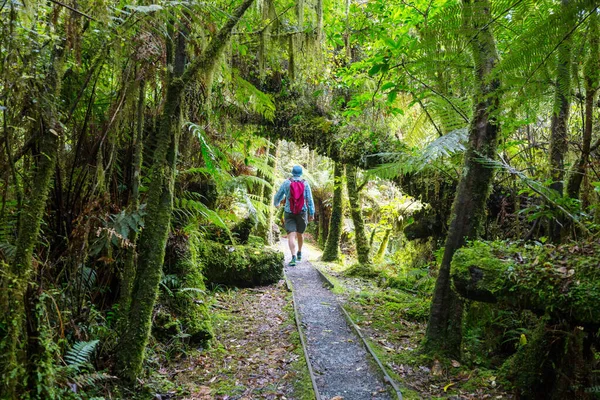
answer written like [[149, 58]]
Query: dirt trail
[[341, 364]]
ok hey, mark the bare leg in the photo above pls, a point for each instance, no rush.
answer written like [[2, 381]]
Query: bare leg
[[300, 242], [292, 242]]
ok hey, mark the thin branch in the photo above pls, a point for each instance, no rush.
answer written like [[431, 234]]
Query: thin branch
[[72, 9], [430, 118]]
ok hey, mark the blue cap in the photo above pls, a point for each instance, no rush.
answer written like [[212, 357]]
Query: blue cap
[[297, 171]]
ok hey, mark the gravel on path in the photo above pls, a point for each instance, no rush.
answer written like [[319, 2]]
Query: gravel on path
[[341, 364]]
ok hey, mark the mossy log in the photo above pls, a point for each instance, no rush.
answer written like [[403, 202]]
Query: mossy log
[[562, 282], [241, 266]]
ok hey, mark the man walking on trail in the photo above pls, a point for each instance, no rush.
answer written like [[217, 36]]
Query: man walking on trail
[[298, 200]]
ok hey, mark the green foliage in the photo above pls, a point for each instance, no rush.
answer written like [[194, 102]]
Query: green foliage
[[431, 156], [559, 281], [80, 354]]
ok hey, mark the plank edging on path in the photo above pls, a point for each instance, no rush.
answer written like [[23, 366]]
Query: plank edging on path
[[290, 287], [388, 379]]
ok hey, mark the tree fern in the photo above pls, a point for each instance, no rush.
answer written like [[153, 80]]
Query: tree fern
[[418, 160], [190, 208]]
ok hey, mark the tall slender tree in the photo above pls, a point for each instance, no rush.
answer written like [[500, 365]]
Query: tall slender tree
[[591, 81], [332, 246], [444, 328], [560, 118], [21, 268], [360, 238]]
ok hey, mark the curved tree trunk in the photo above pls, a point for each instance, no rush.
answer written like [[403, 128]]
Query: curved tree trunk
[[559, 123], [360, 238], [383, 246], [444, 331], [160, 199], [332, 246], [591, 88]]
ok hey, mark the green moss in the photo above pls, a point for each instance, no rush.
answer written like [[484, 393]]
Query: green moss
[[563, 281], [332, 245], [361, 271], [187, 299], [241, 266]]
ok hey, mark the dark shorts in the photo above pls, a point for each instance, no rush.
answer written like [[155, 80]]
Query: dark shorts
[[295, 222]]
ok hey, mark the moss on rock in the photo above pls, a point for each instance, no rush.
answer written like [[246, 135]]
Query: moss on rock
[[242, 266]]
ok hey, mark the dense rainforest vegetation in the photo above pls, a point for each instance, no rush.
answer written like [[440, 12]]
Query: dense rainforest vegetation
[[452, 146]]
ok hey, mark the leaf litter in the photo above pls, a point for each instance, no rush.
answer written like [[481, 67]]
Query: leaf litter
[[255, 355]]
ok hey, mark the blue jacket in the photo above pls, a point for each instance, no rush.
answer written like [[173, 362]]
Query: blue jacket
[[284, 191]]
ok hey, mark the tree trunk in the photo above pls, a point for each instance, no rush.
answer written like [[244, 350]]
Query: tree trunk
[[332, 246], [128, 276], [300, 14], [30, 218], [444, 329], [559, 122], [383, 246], [591, 87], [157, 222], [319, 12], [360, 238], [266, 231], [160, 198]]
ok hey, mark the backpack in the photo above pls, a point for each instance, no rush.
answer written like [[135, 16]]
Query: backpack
[[296, 196]]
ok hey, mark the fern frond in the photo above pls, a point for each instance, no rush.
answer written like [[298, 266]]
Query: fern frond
[[8, 249], [91, 379], [405, 163], [81, 353], [194, 208], [251, 181], [247, 95]]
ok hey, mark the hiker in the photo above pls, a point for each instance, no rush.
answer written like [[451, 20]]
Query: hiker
[[298, 200]]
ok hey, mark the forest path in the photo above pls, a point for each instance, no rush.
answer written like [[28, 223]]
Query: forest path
[[341, 364]]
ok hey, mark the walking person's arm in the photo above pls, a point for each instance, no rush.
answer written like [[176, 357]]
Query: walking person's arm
[[279, 195]]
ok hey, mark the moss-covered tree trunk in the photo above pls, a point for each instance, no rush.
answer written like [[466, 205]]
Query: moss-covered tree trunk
[[444, 333], [383, 246], [157, 222], [128, 275], [265, 229], [360, 238], [332, 246], [591, 78], [160, 198], [560, 120], [17, 278], [323, 223]]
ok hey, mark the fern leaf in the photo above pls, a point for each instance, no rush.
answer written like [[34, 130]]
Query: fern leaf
[[81, 353]]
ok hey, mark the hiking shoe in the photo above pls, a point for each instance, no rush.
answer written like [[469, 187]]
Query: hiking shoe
[[299, 258], [293, 262]]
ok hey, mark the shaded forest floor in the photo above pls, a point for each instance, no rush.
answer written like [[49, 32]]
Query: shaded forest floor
[[256, 355]]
